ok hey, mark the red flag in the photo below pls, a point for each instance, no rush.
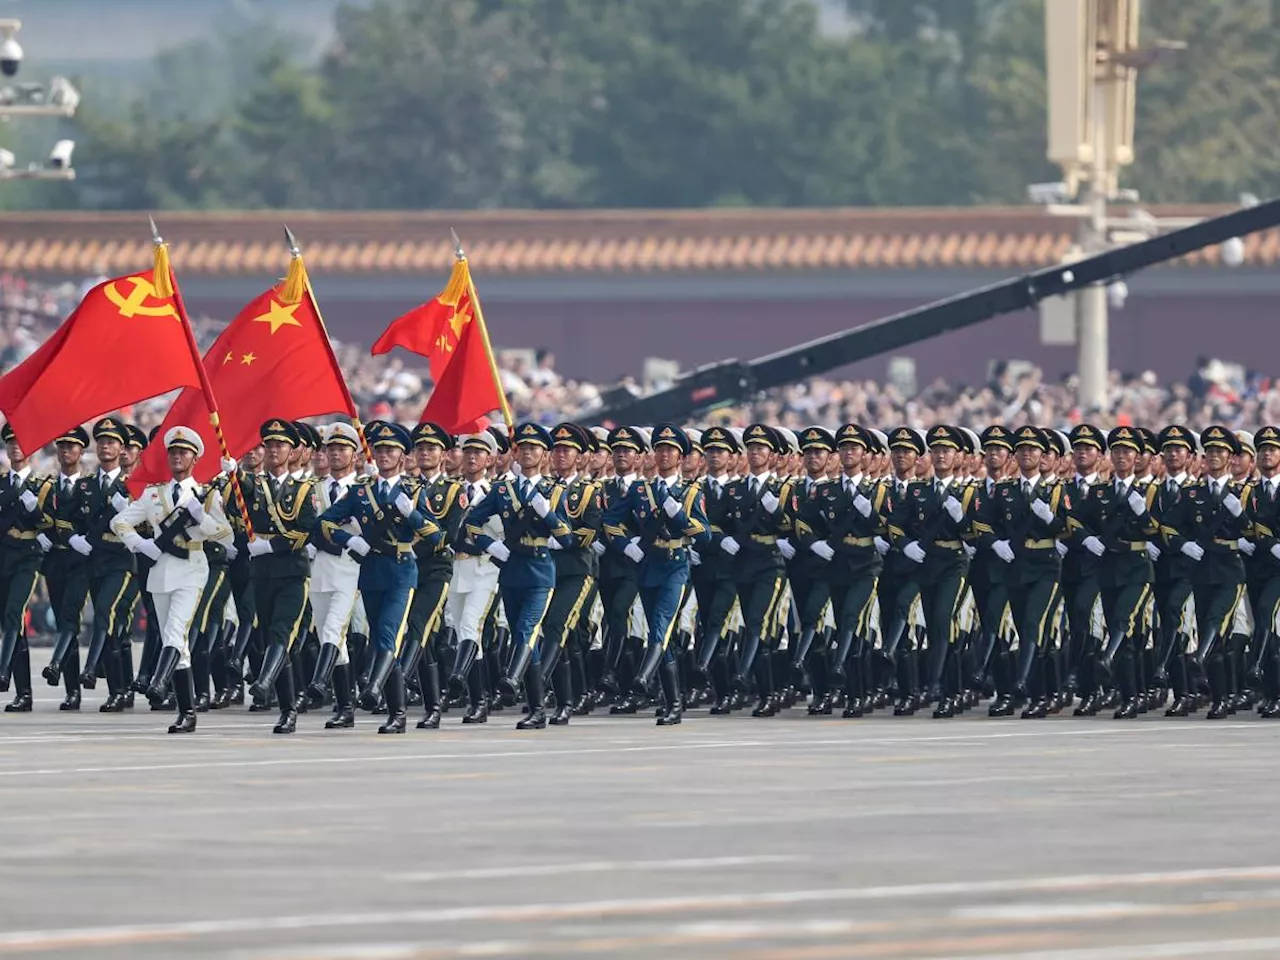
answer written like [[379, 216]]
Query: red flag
[[273, 360], [124, 343], [433, 329], [468, 388]]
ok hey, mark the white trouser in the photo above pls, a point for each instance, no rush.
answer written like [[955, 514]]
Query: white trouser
[[467, 611], [359, 619], [331, 612], [176, 609]]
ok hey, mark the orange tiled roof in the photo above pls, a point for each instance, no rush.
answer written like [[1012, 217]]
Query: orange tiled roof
[[551, 242]]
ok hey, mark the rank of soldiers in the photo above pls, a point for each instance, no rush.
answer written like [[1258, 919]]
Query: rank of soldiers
[[842, 569]]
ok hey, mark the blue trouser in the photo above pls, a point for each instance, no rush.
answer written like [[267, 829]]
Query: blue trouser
[[525, 606], [387, 611], [661, 604]]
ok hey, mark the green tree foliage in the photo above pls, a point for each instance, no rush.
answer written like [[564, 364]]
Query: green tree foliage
[[654, 103]]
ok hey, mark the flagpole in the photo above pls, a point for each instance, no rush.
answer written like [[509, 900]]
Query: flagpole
[[296, 253], [484, 333], [162, 261]]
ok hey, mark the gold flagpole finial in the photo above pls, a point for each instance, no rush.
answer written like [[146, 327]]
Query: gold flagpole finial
[[457, 245], [294, 250]]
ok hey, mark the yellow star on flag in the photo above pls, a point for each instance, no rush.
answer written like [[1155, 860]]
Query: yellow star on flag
[[279, 316], [248, 358], [227, 358]]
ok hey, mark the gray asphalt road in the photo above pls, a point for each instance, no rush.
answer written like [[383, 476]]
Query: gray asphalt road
[[726, 837]]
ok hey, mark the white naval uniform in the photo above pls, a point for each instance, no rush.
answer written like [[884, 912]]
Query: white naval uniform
[[474, 587], [175, 584], [335, 578]]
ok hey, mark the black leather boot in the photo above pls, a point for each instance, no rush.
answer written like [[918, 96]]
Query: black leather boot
[[53, 672], [746, 661], [326, 662], [562, 685], [394, 688], [509, 685], [163, 673], [477, 699], [383, 662], [648, 667], [429, 680], [468, 651], [537, 717], [274, 662], [89, 675], [344, 717], [8, 646], [669, 677], [184, 690]]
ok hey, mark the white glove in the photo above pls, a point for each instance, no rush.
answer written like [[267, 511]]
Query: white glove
[[1042, 511], [633, 552], [695, 558], [554, 544], [119, 501], [541, 506], [1247, 547], [862, 505], [45, 543], [730, 546], [671, 507], [1232, 503], [311, 551], [769, 501], [358, 545], [29, 501], [822, 549], [369, 470], [1094, 546], [232, 552], [1137, 503], [953, 508], [914, 552], [1002, 550], [499, 551], [259, 547], [1061, 548], [882, 546], [1275, 551], [599, 548], [80, 545], [193, 507], [404, 506], [149, 549], [228, 465], [1153, 552], [1193, 550], [969, 551], [788, 551]]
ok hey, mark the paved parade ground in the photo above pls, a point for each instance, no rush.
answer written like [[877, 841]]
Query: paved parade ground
[[789, 838]]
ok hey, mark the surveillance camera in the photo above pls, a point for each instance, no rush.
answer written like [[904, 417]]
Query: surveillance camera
[[63, 94], [1055, 192], [10, 56], [1117, 294], [7, 160], [60, 155], [1232, 251]]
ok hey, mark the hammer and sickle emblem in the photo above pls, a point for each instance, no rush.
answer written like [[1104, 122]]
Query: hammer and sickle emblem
[[135, 305]]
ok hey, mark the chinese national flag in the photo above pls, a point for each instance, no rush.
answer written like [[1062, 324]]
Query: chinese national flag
[[433, 329], [273, 360], [467, 390], [124, 343]]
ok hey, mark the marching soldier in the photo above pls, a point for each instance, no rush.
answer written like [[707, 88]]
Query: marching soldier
[[532, 514], [1262, 567], [392, 520], [806, 567], [1081, 566], [445, 502], [66, 574], [335, 580], [898, 589], [619, 573], [711, 570], [987, 574], [752, 522], [183, 524], [576, 565], [1179, 554], [667, 518], [1121, 524], [25, 511], [1213, 510], [474, 588], [282, 513]]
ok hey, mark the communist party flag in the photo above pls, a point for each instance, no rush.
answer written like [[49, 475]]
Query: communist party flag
[[433, 329], [467, 388], [127, 341], [273, 360]]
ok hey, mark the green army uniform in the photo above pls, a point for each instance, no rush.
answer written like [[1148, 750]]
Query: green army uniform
[[1174, 570]]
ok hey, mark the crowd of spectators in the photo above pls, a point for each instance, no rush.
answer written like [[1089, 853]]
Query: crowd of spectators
[[397, 385]]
